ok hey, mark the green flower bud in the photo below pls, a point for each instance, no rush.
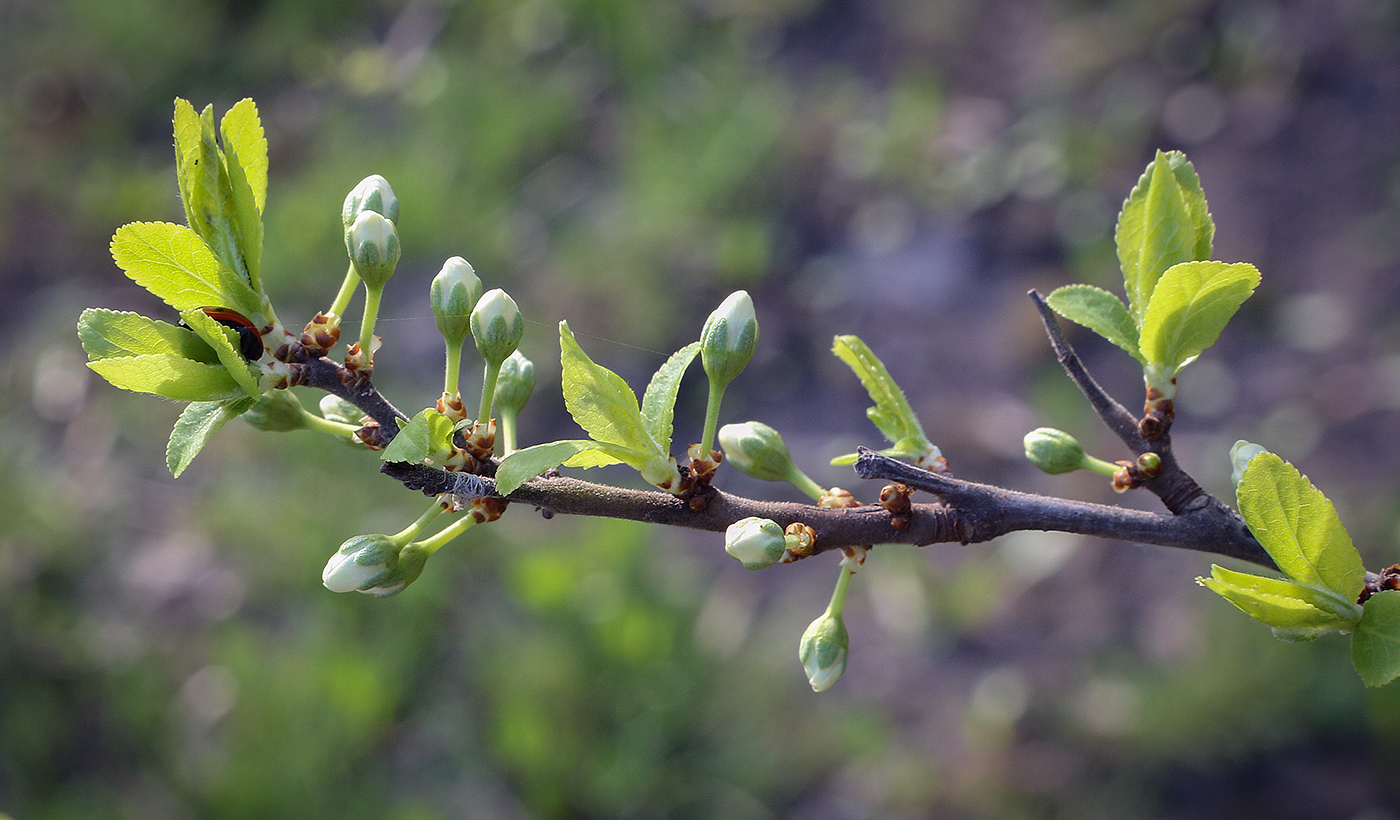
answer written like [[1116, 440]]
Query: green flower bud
[[334, 408], [515, 383], [497, 326], [729, 338], [374, 248], [757, 543], [1241, 454], [361, 563], [1054, 451], [823, 651], [372, 194], [455, 291], [373, 564], [756, 449], [277, 411]]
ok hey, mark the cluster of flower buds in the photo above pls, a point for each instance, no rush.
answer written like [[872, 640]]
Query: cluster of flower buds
[[369, 217]]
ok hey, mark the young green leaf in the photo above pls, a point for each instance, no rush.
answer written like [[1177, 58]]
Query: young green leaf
[[213, 209], [523, 465], [1299, 527], [242, 133], [1164, 221], [196, 425], [1099, 311], [1190, 307], [659, 400], [1375, 646], [170, 375], [112, 334], [172, 262], [187, 148], [224, 342], [427, 435], [247, 210], [1296, 612], [600, 401], [891, 413]]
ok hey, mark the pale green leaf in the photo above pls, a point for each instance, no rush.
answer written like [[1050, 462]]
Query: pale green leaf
[[1099, 311], [171, 376], [425, 436], [1190, 307], [224, 341], [1375, 647], [1295, 611], [172, 262], [1298, 526], [600, 401], [891, 413], [196, 425], [523, 465], [213, 213], [187, 148], [659, 401], [1164, 221], [109, 334], [243, 137], [242, 133], [601, 455]]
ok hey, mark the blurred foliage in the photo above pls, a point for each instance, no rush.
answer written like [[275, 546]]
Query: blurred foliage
[[901, 170]]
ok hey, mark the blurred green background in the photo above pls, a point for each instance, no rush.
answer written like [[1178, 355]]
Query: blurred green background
[[899, 169]]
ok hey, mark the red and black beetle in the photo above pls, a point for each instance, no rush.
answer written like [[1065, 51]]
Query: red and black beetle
[[249, 339]]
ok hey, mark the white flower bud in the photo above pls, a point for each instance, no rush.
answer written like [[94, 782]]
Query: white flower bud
[[823, 651], [497, 325], [729, 338], [1241, 454], [756, 449], [454, 293], [374, 248], [758, 543], [372, 194], [360, 563]]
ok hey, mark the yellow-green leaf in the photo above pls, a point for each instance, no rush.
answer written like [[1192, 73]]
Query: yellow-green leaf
[[171, 376], [1375, 648], [224, 341], [1098, 310], [600, 401], [1190, 307], [172, 262], [196, 425], [110, 334]]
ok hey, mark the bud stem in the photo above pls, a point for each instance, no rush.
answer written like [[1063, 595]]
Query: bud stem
[[411, 532], [507, 439], [1098, 465], [367, 326], [347, 290], [488, 390], [325, 425], [451, 531], [804, 482], [838, 596], [711, 416], [454, 369]]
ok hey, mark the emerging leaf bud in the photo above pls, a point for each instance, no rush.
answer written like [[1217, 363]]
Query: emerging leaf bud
[[497, 325], [729, 338], [374, 248], [372, 194], [1054, 451], [823, 651], [1241, 454], [277, 411], [757, 543], [515, 383], [756, 449], [455, 291]]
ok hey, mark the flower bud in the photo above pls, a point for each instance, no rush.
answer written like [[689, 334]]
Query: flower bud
[[455, 291], [729, 338], [497, 326], [375, 565], [756, 449], [1241, 454], [757, 543], [515, 383], [276, 411], [823, 651], [1054, 451], [361, 563], [334, 408], [372, 194], [373, 243]]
